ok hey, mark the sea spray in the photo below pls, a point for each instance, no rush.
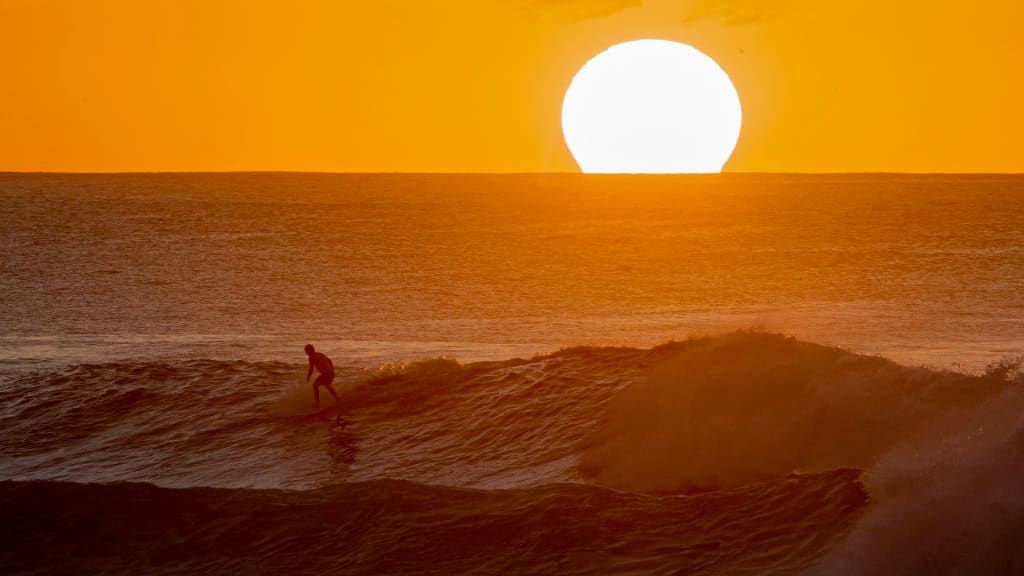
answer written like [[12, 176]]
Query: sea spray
[[751, 406]]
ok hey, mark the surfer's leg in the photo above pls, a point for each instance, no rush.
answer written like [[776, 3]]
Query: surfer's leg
[[316, 393], [325, 380]]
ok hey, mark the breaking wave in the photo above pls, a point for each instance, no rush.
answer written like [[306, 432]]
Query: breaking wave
[[747, 452]]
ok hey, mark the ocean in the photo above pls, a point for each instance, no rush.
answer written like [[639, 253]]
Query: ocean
[[539, 374]]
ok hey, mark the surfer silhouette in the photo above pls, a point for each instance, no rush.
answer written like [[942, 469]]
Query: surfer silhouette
[[323, 365]]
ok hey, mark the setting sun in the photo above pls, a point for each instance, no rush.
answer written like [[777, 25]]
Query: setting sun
[[651, 106]]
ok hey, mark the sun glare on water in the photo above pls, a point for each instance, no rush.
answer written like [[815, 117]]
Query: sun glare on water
[[651, 106]]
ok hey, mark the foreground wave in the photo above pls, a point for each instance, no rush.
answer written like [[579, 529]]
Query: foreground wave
[[678, 458], [396, 527]]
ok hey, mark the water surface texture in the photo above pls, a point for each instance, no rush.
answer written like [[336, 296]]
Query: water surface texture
[[924, 269], [538, 374]]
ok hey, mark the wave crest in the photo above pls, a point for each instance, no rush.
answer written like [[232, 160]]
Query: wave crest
[[750, 406]]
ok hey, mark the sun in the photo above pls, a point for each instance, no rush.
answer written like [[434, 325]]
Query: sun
[[651, 106]]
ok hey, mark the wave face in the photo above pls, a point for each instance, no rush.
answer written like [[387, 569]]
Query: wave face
[[674, 459], [211, 423]]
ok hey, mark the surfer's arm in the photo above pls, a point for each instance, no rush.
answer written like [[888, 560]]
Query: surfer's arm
[[310, 372]]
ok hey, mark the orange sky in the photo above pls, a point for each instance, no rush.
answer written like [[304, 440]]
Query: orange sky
[[476, 85]]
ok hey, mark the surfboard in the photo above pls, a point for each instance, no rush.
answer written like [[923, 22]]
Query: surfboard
[[324, 411]]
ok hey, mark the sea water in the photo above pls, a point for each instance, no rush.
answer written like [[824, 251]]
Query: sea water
[[539, 373]]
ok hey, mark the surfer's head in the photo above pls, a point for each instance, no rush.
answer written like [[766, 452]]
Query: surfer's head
[[309, 349]]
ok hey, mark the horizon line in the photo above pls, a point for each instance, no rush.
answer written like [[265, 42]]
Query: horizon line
[[539, 173]]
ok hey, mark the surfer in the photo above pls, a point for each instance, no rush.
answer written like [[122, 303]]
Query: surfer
[[325, 367]]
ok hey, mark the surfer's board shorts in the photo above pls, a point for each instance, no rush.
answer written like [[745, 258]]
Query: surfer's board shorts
[[324, 380]]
